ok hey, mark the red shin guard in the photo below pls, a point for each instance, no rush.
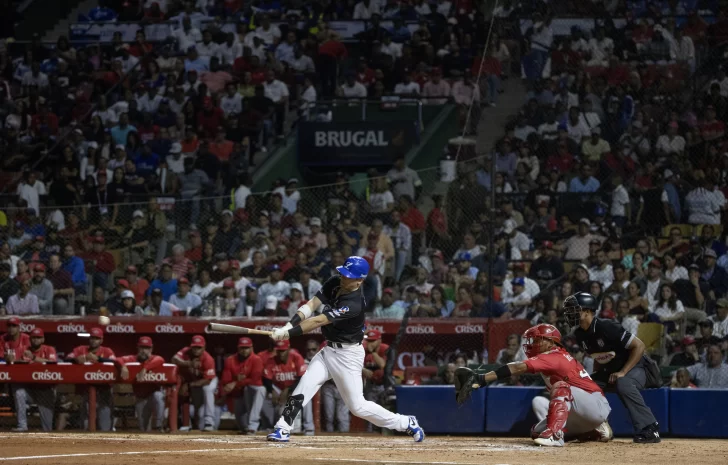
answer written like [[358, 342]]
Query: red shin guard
[[559, 409]]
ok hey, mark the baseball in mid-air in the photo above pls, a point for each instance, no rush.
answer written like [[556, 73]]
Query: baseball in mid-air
[[104, 320]]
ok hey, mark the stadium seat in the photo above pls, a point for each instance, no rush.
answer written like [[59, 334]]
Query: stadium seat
[[653, 335]]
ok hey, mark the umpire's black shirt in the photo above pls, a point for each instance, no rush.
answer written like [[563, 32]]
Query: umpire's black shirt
[[345, 312], [607, 341]]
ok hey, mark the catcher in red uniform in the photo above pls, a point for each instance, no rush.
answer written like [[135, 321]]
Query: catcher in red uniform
[[577, 407]]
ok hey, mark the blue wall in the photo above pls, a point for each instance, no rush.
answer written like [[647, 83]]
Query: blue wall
[[507, 410]]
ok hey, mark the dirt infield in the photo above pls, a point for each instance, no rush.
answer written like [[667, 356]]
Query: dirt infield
[[194, 449]]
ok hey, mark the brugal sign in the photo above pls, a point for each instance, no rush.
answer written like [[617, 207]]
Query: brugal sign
[[354, 143]]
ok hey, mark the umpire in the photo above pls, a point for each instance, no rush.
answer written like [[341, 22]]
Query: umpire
[[619, 360]]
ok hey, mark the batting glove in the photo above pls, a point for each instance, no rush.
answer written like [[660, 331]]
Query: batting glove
[[280, 334], [287, 326]]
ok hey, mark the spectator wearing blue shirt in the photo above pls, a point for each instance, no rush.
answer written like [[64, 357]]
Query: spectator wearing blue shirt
[[195, 62], [484, 306], [101, 13], [76, 268], [146, 163], [506, 159], [184, 299], [120, 132], [400, 32], [165, 283], [585, 182]]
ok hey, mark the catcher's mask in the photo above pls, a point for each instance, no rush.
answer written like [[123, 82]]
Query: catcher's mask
[[533, 335], [576, 303]]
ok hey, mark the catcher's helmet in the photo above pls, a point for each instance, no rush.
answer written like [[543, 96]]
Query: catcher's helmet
[[543, 331], [576, 303]]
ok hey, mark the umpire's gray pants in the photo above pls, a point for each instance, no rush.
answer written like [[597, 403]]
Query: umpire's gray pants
[[104, 407], [43, 397], [334, 408], [145, 406], [628, 390]]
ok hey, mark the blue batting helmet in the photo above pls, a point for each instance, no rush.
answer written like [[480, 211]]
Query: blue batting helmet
[[354, 268]]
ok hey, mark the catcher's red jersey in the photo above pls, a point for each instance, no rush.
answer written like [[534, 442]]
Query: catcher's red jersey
[[284, 375], [558, 365]]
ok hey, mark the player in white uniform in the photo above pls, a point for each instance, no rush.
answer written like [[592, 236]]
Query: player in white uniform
[[342, 324]]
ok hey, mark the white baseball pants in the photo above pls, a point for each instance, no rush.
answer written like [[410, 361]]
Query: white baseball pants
[[344, 366]]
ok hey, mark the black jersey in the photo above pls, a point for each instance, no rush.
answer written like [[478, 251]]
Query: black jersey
[[607, 343], [345, 312]]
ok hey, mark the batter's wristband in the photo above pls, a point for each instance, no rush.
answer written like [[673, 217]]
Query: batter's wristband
[[503, 372], [295, 331], [295, 320]]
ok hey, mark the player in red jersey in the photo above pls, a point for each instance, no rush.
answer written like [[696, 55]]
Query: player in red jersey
[[199, 381], [577, 405], [94, 352], [242, 378], [148, 397], [13, 343], [373, 372], [43, 395], [281, 373]]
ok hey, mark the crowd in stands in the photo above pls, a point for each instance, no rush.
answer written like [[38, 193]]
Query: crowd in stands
[[611, 179]]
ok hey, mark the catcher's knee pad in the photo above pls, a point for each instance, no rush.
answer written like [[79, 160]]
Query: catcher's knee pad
[[294, 404], [559, 408], [534, 433]]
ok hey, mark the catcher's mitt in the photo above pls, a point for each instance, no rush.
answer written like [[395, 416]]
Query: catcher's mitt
[[464, 380]]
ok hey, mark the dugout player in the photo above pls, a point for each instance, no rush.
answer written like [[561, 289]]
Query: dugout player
[[577, 404], [94, 352], [281, 374], [242, 378], [373, 371], [199, 382], [13, 343], [44, 395], [619, 361], [342, 324], [148, 397]]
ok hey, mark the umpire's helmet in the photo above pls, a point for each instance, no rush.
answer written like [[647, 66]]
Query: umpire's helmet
[[576, 303]]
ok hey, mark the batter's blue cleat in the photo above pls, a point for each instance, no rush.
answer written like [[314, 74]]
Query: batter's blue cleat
[[279, 436], [415, 430]]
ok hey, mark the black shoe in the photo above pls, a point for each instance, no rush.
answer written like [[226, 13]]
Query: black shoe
[[649, 435]]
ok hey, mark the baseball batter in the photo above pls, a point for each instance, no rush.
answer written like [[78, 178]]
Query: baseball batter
[[577, 404], [342, 324], [148, 397]]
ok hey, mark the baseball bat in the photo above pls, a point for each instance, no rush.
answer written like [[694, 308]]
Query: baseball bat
[[232, 329]]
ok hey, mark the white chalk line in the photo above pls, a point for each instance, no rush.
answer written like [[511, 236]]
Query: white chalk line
[[148, 452], [384, 462]]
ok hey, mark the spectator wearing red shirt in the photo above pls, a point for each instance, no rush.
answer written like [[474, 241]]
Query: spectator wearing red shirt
[[331, 52], [194, 252], [181, 265], [44, 120], [209, 119], [242, 379], [199, 382], [140, 47], [221, 147], [364, 73], [711, 128], [43, 395], [99, 262], [281, 373], [412, 218], [13, 344], [137, 285], [149, 397], [94, 352]]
